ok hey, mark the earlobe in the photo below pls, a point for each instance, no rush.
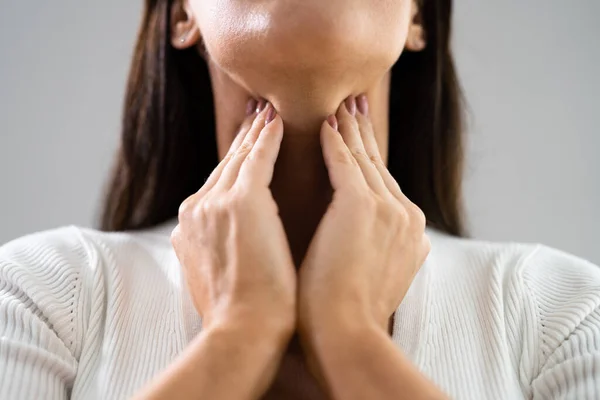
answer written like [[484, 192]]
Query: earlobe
[[184, 31], [183, 39], [416, 38]]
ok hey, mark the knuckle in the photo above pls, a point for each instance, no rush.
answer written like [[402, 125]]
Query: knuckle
[[376, 160], [258, 154], [402, 216], [244, 149], [387, 212], [241, 192], [228, 157], [358, 153], [186, 208], [418, 216], [344, 157], [207, 209], [218, 207], [175, 235], [426, 244], [238, 202]]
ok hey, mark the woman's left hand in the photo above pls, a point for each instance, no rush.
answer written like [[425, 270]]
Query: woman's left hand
[[371, 241]]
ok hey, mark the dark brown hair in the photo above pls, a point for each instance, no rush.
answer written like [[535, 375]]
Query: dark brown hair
[[168, 145]]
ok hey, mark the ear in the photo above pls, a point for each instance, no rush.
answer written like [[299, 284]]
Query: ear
[[184, 30], [416, 39]]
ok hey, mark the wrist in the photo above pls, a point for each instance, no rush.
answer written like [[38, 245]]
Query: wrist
[[348, 322], [240, 352], [253, 333], [338, 332], [338, 345], [253, 322]]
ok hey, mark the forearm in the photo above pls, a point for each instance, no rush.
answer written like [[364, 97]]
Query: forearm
[[364, 363], [221, 363]]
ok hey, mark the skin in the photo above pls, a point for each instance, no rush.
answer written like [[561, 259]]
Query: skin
[[306, 171], [305, 57], [366, 252], [243, 286]]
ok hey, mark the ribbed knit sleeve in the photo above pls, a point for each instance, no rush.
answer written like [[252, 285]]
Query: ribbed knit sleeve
[[566, 292], [40, 329]]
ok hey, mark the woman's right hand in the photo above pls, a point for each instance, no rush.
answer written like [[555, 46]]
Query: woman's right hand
[[239, 272], [230, 240]]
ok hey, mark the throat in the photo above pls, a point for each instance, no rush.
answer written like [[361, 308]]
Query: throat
[[301, 189]]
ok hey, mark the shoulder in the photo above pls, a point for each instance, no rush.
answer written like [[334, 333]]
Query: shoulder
[[40, 258], [42, 276], [74, 248], [57, 277], [41, 280], [65, 240], [563, 294], [554, 281], [71, 251], [453, 256], [534, 263], [550, 302], [51, 296], [68, 252]]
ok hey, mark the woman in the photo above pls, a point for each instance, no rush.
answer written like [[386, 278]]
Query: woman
[[284, 221]]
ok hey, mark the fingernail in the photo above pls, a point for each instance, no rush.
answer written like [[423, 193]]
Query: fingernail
[[332, 120], [362, 104], [251, 107], [270, 114], [262, 103], [351, 105]]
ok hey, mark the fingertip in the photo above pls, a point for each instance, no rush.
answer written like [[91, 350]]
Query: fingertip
[[274, 126], [346, 114], [259, 118], [362, 105], [350, 104], [260, 105], [342, 111], [330, 135], [328, 130], [279, 121], [251, 107], [333, 122], [271, 114], [273, 118]]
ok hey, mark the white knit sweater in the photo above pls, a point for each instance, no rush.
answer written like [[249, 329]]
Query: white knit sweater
[[90, 315]]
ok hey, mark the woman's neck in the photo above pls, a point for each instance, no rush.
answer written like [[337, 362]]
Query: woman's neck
[[300, 184]]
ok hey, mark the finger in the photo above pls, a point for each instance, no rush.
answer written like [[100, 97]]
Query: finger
[[232, 169], [371, 147], [344, 172], [257, 168], [350, 131], [237, 141]]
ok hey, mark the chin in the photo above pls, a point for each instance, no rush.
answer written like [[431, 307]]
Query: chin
[[303, 55]]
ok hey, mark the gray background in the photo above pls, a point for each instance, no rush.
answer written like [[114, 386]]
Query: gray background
[[530, 72]]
